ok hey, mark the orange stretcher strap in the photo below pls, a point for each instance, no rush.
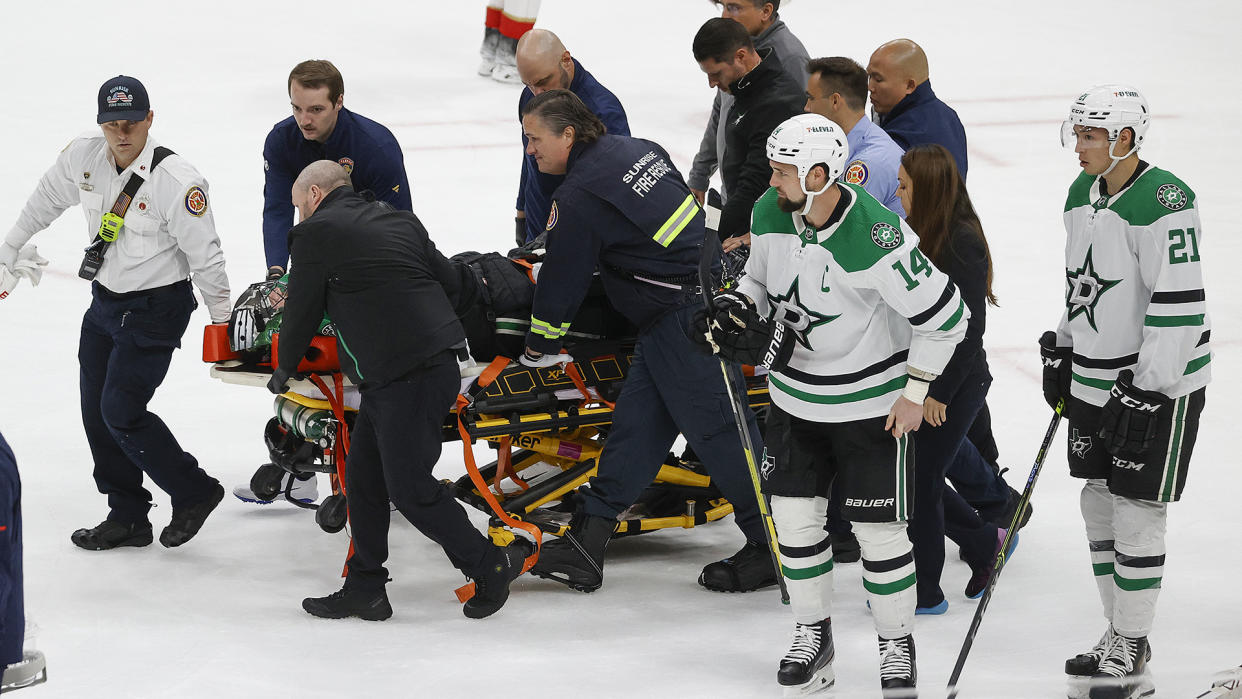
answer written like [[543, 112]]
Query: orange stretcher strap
[[336, 399], [466, 591]]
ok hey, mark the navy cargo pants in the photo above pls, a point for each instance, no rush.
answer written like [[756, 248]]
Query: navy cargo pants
[[123, 355], [674, 388], [12, 597]]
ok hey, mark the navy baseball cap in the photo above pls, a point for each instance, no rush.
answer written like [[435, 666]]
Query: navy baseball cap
[[123, 98]]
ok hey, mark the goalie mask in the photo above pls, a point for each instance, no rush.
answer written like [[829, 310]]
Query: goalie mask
[[1113, 108], [805, 141]]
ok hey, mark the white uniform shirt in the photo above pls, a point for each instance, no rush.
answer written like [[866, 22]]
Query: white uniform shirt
[[169, 233]]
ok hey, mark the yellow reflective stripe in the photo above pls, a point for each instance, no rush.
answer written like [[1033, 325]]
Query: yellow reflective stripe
[[547, 329], [678, 221]]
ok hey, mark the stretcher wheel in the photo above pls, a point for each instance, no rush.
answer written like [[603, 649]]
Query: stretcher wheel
[[331, 514], [266, 482]]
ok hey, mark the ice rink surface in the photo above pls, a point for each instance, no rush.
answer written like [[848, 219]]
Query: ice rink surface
[[221, 617]]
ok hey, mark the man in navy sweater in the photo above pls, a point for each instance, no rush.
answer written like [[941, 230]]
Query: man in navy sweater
[[544, 64], [905, 105], [321, 128]]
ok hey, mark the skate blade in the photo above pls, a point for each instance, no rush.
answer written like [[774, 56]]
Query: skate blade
[[1079, 687], [821, 682]]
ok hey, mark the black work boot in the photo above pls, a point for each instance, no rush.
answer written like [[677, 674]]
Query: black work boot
[[109, 535], [348, 601], [577, 558], [187, 520], [748, 569], [491, 585]]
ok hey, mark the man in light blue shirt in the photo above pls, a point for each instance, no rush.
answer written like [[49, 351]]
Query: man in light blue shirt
[[837, 89]]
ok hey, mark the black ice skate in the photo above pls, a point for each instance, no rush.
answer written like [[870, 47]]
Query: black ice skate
[[749, 569], [110, 535], [1123, 671], [1086, 664], [577, 558], [491, 585], [371, 605], [898, 673], [807, 667]]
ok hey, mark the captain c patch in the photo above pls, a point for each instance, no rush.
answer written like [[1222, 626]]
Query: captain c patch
[[857, 173], [196, 201]]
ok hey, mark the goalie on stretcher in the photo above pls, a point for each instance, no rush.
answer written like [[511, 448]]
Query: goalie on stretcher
[[546, 424]]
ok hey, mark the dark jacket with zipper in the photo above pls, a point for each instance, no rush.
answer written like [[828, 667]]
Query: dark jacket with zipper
[[382, 282], [762, 99]]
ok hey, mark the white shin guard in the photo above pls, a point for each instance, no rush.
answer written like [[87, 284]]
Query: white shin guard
[[1097, 513], [888, 576], [806, 556], [1138, 532]]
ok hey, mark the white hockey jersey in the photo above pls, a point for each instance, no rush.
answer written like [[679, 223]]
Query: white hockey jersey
[[1134, 294], [875, 304]]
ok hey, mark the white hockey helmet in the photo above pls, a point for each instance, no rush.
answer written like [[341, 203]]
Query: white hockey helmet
[[805, 141], [1113, 108]]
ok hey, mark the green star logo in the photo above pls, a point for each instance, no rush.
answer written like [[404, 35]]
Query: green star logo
[[793, 298], [1085, 289]]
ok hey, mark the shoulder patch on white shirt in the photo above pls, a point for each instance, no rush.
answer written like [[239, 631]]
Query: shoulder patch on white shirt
[[196, 201]]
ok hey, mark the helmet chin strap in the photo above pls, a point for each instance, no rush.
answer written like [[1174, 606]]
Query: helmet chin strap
[[810, 196], [1116, 158]]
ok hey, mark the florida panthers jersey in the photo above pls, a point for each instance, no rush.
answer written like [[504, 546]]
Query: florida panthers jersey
[[1134, 287], [874, 302]]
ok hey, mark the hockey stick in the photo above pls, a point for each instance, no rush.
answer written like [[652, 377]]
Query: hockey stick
[[710, 246], [1000, 555]]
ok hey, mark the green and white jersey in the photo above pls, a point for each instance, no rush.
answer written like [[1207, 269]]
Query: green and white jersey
[[875, 304], [1134, 287]]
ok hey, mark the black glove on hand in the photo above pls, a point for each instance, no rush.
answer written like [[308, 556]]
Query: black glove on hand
[[733, 312], [275, 272], [1057, 369], [279, 383], [519, 235], [1130, 418]]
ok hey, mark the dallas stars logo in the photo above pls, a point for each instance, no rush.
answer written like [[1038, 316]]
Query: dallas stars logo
[[1080, 444], [1085, 289], [792, 297], [1172, 197]]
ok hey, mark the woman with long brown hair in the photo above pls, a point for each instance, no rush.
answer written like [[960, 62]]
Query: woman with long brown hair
[[938, 208]]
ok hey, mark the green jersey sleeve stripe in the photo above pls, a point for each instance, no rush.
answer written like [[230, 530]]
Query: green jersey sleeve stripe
[[1197, 364], [956, 317], [1102, 384], [1173, 321]]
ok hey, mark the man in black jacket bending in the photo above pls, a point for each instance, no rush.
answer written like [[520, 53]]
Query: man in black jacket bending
[[379, 278], [764, 96]]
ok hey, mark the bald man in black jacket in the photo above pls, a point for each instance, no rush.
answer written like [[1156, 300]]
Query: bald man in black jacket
[[381, 281]]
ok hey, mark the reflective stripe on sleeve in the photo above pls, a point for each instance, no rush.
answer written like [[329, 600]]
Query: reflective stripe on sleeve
[[678, 221]]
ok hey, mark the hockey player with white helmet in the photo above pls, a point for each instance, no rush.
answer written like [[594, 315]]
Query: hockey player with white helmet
[[875, 322], [1130, 358]]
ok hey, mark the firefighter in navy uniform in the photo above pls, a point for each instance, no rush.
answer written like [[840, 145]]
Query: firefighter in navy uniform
[[624, 209]]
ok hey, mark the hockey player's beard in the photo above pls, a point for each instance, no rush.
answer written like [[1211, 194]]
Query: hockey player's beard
[[788, 205]]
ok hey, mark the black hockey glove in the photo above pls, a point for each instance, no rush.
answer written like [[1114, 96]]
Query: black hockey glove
[[1130, 418], [731, 313], [275, 272], [739, 334], [279, 383], [1057, 369]]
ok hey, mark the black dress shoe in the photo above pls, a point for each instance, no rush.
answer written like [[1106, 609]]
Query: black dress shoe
[[187, 520], [109, 535]]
